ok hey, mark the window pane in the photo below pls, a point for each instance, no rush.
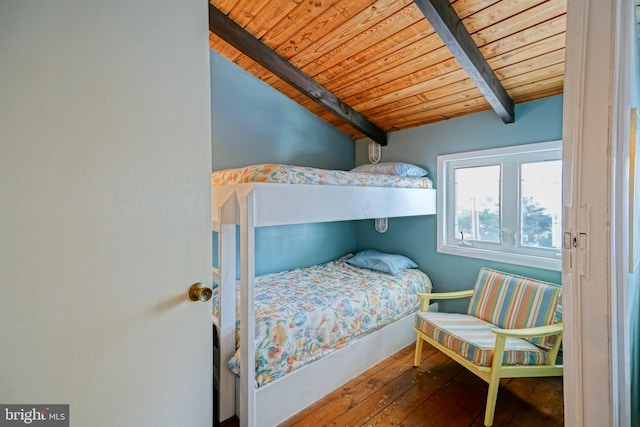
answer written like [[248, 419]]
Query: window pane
[[541, 204], [477, 203]]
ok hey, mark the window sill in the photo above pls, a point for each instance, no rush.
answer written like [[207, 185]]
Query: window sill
[[506, 257]]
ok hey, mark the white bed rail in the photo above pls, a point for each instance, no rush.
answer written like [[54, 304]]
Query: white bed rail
[[225, 277], [282, 204], [247, 313]]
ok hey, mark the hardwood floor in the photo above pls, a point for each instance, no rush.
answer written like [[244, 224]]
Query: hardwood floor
[[437, 393]]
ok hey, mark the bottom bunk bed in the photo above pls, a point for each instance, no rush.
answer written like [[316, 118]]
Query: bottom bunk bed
[[320, 326]]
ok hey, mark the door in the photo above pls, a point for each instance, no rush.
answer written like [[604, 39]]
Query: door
[[105, 215], [595, 259]]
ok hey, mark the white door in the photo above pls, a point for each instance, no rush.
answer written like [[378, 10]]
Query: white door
[[104, 210], [596, 131]]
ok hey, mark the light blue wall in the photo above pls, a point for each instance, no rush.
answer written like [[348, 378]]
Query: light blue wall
[[415, 237], [253, 123]]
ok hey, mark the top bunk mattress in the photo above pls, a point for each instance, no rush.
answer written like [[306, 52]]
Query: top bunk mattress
[[288, 174]]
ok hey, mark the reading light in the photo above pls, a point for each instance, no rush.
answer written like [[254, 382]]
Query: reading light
[[382, 224], [374, 152]]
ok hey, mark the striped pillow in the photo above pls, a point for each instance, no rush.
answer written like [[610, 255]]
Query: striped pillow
[[513, 302]]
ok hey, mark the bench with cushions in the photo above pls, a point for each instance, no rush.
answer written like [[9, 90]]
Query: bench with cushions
[[513, 328]]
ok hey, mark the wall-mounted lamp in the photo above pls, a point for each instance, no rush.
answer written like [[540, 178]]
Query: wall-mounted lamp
[[375, 152], [382, 224]]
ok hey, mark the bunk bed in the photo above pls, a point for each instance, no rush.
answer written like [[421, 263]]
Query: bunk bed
[[268, 195]]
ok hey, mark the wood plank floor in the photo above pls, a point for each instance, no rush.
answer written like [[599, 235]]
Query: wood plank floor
[[437, 393]]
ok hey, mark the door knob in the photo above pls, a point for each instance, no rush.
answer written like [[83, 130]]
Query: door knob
[[198, 292]]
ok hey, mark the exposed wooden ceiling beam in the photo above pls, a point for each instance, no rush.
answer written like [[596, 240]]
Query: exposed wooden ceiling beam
[[238, 37], [445, 21]]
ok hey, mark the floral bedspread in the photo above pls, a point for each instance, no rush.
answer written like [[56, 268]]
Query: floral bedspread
[[306, 175], [306, 313]]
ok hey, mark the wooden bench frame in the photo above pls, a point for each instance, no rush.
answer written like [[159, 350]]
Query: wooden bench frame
[[496, 371]]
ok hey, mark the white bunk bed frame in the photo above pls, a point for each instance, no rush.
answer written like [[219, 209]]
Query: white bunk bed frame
[[254, 205]]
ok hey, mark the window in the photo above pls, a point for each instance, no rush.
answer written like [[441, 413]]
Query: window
[[503, 204]]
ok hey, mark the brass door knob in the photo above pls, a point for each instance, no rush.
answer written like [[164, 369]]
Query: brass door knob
[[198, 292]]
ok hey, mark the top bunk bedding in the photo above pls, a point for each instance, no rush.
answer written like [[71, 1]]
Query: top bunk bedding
[[284, 194], [288, 174]]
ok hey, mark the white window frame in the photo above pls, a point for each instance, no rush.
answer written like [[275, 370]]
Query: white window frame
[[507, 251]]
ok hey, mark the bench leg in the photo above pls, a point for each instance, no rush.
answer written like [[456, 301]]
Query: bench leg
[[492, 397], [494, 379], [418, 355]]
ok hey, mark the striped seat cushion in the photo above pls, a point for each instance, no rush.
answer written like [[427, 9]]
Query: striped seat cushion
[[472, 338], [514, 302]]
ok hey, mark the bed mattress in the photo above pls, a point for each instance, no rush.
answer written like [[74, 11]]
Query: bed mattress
[[307, 313], [287, 174]]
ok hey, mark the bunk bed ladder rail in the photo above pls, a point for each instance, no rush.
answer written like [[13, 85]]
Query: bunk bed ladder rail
[[247, 405], [225, 277]]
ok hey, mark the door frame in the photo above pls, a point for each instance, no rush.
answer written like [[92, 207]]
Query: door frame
[[596, 127]]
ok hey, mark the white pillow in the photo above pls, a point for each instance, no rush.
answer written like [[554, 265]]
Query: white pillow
[[392, 168]]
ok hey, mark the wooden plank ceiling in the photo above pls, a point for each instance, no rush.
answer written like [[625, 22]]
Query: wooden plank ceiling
[[385, 61]]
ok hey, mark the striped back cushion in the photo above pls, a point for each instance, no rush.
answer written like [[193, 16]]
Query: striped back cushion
[[512, 302]]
